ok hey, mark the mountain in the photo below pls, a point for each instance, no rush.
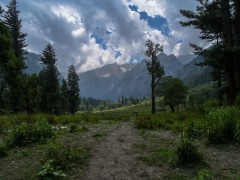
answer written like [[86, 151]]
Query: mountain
[[187, 58], [114, 81], [32, 62], [193, 75]]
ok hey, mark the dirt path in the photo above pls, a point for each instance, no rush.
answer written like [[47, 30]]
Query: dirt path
[[111, 159]]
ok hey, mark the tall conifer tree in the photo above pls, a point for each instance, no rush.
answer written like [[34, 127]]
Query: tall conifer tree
[[73, 92]]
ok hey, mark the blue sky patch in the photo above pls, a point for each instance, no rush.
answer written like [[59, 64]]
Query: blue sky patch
[[99, 41], [118, 54], [158, 22]]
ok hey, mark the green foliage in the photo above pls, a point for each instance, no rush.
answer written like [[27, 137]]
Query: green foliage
[[204, 175], [65, 156], [25, 133], [73, 128], [3, 149], [49, 83], [147, 122], [175, 94], [187, 152], [50, 172], [223, 126], [73, 92], [208, 105]]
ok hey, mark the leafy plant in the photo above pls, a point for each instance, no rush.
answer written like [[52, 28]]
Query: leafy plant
[[25, 133], [48, 171]]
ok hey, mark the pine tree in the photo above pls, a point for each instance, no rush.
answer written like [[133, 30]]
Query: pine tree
[[64, 96], [218, 21], [154, 67], [11, 18], [73, 92], [48, 78]]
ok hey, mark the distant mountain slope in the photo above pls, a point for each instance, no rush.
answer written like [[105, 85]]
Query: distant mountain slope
[[185, 59], [32, 61], [113, 80], [193, 75]]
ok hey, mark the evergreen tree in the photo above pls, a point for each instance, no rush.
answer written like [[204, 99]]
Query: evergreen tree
[[48, 78], [73, 92], [15, 65], [11, 19], [218, 21], [64, 96], [32, 94], [154, 67]]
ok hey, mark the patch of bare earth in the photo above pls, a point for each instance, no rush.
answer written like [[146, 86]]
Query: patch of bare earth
[[115, 157]]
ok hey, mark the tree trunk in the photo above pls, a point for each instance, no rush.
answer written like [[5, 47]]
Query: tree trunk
[[237, 32], [228, 40], [153, 94], [172, 108]]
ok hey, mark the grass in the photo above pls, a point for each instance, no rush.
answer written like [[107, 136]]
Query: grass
[[29, 147]]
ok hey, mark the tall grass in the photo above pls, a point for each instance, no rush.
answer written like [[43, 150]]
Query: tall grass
[[223, 125]]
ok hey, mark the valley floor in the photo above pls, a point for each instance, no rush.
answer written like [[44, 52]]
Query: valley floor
[[119, 151]]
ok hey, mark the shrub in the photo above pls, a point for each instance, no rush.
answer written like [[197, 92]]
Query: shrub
[[208, 105], [3, 149], [144, 122], [25, 133], [73, 128], [187, 152], [223, 127]]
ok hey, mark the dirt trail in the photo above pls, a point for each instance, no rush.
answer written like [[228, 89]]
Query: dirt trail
[[111, 159]]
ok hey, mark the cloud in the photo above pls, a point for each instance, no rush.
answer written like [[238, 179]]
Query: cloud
[[89, 34]]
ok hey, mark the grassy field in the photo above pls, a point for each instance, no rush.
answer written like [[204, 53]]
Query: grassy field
[[117, 144]]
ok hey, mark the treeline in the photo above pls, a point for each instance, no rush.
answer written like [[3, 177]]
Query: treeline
[[20, 92], [90, 104]]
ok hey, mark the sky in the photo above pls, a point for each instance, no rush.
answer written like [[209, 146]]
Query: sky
[[91, 33]]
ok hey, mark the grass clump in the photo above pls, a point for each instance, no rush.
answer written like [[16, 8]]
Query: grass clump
[[204, 175], [26, 133], [187, 152], [224, 126], [3, 149]]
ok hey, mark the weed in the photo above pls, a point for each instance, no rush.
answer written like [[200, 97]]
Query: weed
[[48, 171], [3, 149], [187, 152], [204, 175]]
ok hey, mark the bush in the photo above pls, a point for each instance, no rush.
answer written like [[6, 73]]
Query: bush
[[73, 128], [223, 127], [144, 122], [208, 105], [25, 133], [3, 149], [187, 152]]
